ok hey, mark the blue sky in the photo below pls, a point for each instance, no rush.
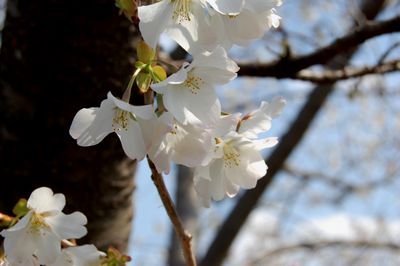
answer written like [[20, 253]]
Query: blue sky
[[343, 120]]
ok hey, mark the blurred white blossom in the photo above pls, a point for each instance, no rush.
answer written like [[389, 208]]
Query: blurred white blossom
[[41, 230]]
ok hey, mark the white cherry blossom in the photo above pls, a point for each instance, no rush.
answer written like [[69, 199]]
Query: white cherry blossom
[[260, 120], [86, 255], [190, 92], [168, 140], [41, 230], [202, 25], [236, 161], [183, 20], [240, 22], [92, 125]]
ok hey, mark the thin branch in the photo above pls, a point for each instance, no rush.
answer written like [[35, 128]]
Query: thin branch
[[184, 236], [312, 246], [339, 182], [187, 208], [288, 67], [383, 57], [329, 76]]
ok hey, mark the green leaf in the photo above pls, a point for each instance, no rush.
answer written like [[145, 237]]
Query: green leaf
[[143, 81], [159, 73], [127, 7], [145, 53], [21, 208]]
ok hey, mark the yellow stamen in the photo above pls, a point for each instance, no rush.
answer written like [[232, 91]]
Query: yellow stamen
[[120, 120], [193, 83], [181, 10], [231, 156], [37, 223]]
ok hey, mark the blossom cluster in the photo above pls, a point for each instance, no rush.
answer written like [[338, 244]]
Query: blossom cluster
[[185, 124], [36, 239]]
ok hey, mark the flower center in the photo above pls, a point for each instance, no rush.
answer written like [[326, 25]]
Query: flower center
[[174, 130], [181, 10], [193, 83], [121, 119], [37, 223], [231, 156]]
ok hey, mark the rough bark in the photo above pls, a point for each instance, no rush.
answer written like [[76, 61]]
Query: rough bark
[[229, 229], [59, 56]]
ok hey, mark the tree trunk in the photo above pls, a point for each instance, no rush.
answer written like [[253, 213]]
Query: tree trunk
[[59, 56]]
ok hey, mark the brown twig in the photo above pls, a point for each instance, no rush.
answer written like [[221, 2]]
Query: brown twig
[[184, 236], [5, 219], [329, 76]]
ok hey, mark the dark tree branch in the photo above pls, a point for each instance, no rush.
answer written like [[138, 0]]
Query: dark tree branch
[[329, 76], [234, 221], [288, 67]]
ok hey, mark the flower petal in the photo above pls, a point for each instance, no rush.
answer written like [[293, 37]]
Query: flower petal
[[226, 124], [153, 20], [250, 168], [227, 7], [218, 58], [86, 255], [90, 126], [237, 28], [214, 76], [196, 34], [177, 78], [217, 187], [202, 103], [68, 226], [261, 144], [132, 141], [18, 246], [143, 111], [47, 245], [190, 145], [260, 120], [258, 6], [42, 200], [202, 187], [20, 225]]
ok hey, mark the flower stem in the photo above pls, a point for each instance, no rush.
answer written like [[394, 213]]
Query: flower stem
[[148, 97], [127, 93], [184, 237]]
